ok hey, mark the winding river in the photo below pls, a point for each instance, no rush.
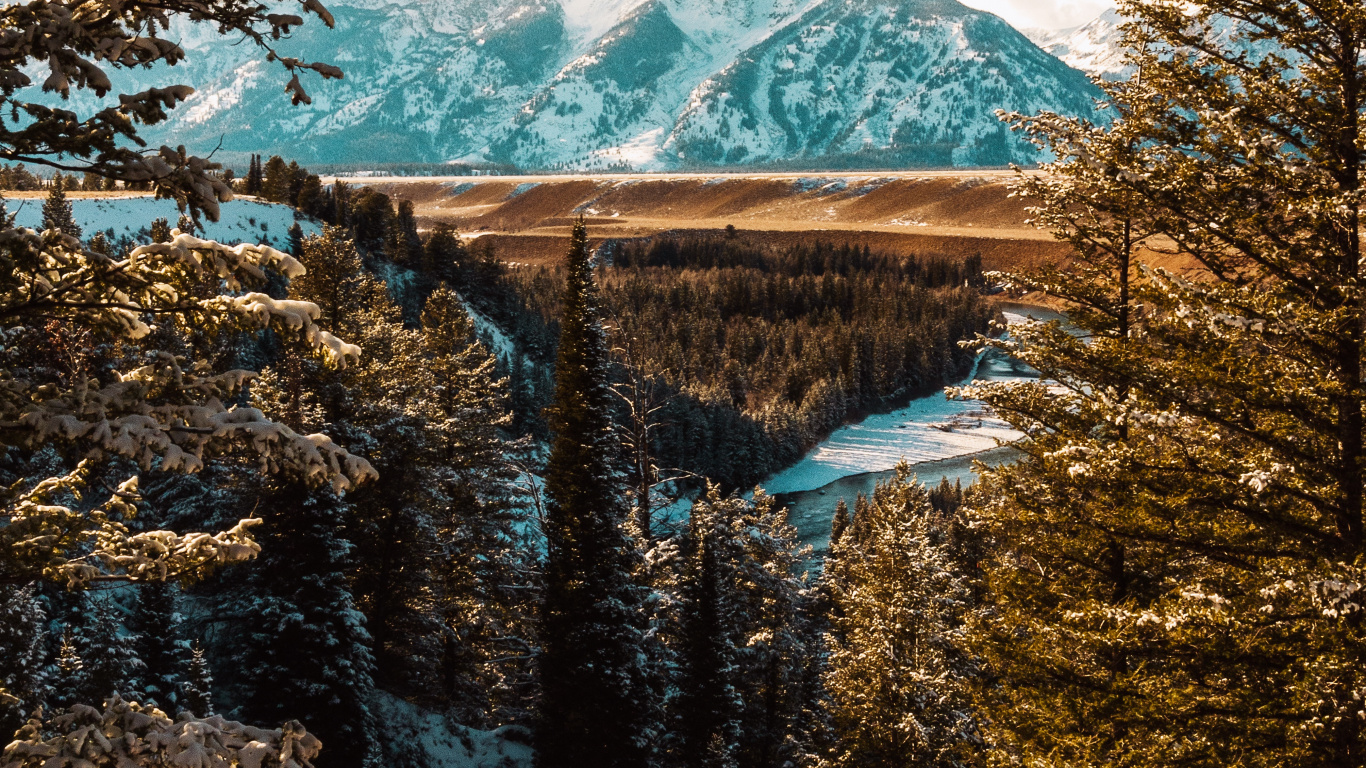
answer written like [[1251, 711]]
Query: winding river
[[940, 438]]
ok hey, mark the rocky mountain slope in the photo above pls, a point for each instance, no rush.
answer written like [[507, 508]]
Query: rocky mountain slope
[[644, 84]]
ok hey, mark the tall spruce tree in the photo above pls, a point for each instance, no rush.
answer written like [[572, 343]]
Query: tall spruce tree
[[108, 661], [25, 673], [159, 640], [57, 209], [299, 648], [277, 180], [898, 670], [592, 687], [488, 587], [252, 183], [1180, 556], [708, 704]]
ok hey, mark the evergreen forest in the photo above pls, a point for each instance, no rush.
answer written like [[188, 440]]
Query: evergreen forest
[[383, 499]]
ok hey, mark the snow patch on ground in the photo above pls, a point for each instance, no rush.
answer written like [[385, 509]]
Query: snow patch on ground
[[635, 152], [448, 745], [499, 343], [242, 221]]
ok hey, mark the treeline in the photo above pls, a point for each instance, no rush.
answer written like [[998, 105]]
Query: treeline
[[19, 178], [748, 355]]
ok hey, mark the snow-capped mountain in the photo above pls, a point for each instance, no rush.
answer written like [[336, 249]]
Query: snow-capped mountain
[[647, 84], [1095, 48]]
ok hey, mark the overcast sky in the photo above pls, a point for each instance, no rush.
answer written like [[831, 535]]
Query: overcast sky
[[1049, 14]]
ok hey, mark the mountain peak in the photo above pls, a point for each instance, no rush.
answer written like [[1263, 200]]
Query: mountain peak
[[645, 84]]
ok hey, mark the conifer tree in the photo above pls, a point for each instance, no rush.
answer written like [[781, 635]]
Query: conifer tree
[[276, 181], [487, 593], [57, 209], [1180, 554], [407, 247], [296, 240], [160, 230], [294, 176], [591, 710], [198, 689], [442, 255], [310, 195], [254, 180], [299, 647], [99, 243], [160, 644], [709, 705], [25, 677], [898, 671], [108, 660]]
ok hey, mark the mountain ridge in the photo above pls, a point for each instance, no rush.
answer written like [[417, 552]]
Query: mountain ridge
[[665, 85]]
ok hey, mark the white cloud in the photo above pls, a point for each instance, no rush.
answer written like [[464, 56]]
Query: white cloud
[[1047, 14]]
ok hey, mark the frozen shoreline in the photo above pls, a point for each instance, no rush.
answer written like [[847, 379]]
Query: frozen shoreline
[[928, 429]]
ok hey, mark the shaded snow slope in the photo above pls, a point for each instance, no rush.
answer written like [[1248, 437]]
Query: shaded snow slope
[[242, 221], [879, 83], [447, 745]]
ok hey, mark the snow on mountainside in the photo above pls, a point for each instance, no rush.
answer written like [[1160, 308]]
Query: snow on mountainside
[[646, 84], [1098, 48], [1095, 48], [879, 82]]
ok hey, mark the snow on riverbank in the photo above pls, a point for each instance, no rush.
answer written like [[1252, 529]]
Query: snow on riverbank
[[242, 221], [929, 428]]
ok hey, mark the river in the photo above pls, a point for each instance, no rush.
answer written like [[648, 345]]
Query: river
[[939, 437]]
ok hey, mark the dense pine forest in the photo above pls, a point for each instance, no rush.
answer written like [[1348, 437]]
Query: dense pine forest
[[745, 356], [384, 501]]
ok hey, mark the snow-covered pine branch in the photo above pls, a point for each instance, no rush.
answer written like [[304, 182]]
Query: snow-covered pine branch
[[125, 734]]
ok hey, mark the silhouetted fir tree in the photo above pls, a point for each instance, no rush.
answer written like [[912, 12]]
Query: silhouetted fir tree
[[158, 639], [371, 216], [295, 183], [300, 647], [25, 675], [254, 179], [275, 186], [341, 204], [592, 709], [198, 690], [708, 702], [310, 197], [57, 209], [442, 255], [296, 240], [407, 248]]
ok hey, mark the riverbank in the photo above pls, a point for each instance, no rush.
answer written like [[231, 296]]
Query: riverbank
[[937, 436]]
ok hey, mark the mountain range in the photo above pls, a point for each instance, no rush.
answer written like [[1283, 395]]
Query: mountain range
[[630, 84]]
